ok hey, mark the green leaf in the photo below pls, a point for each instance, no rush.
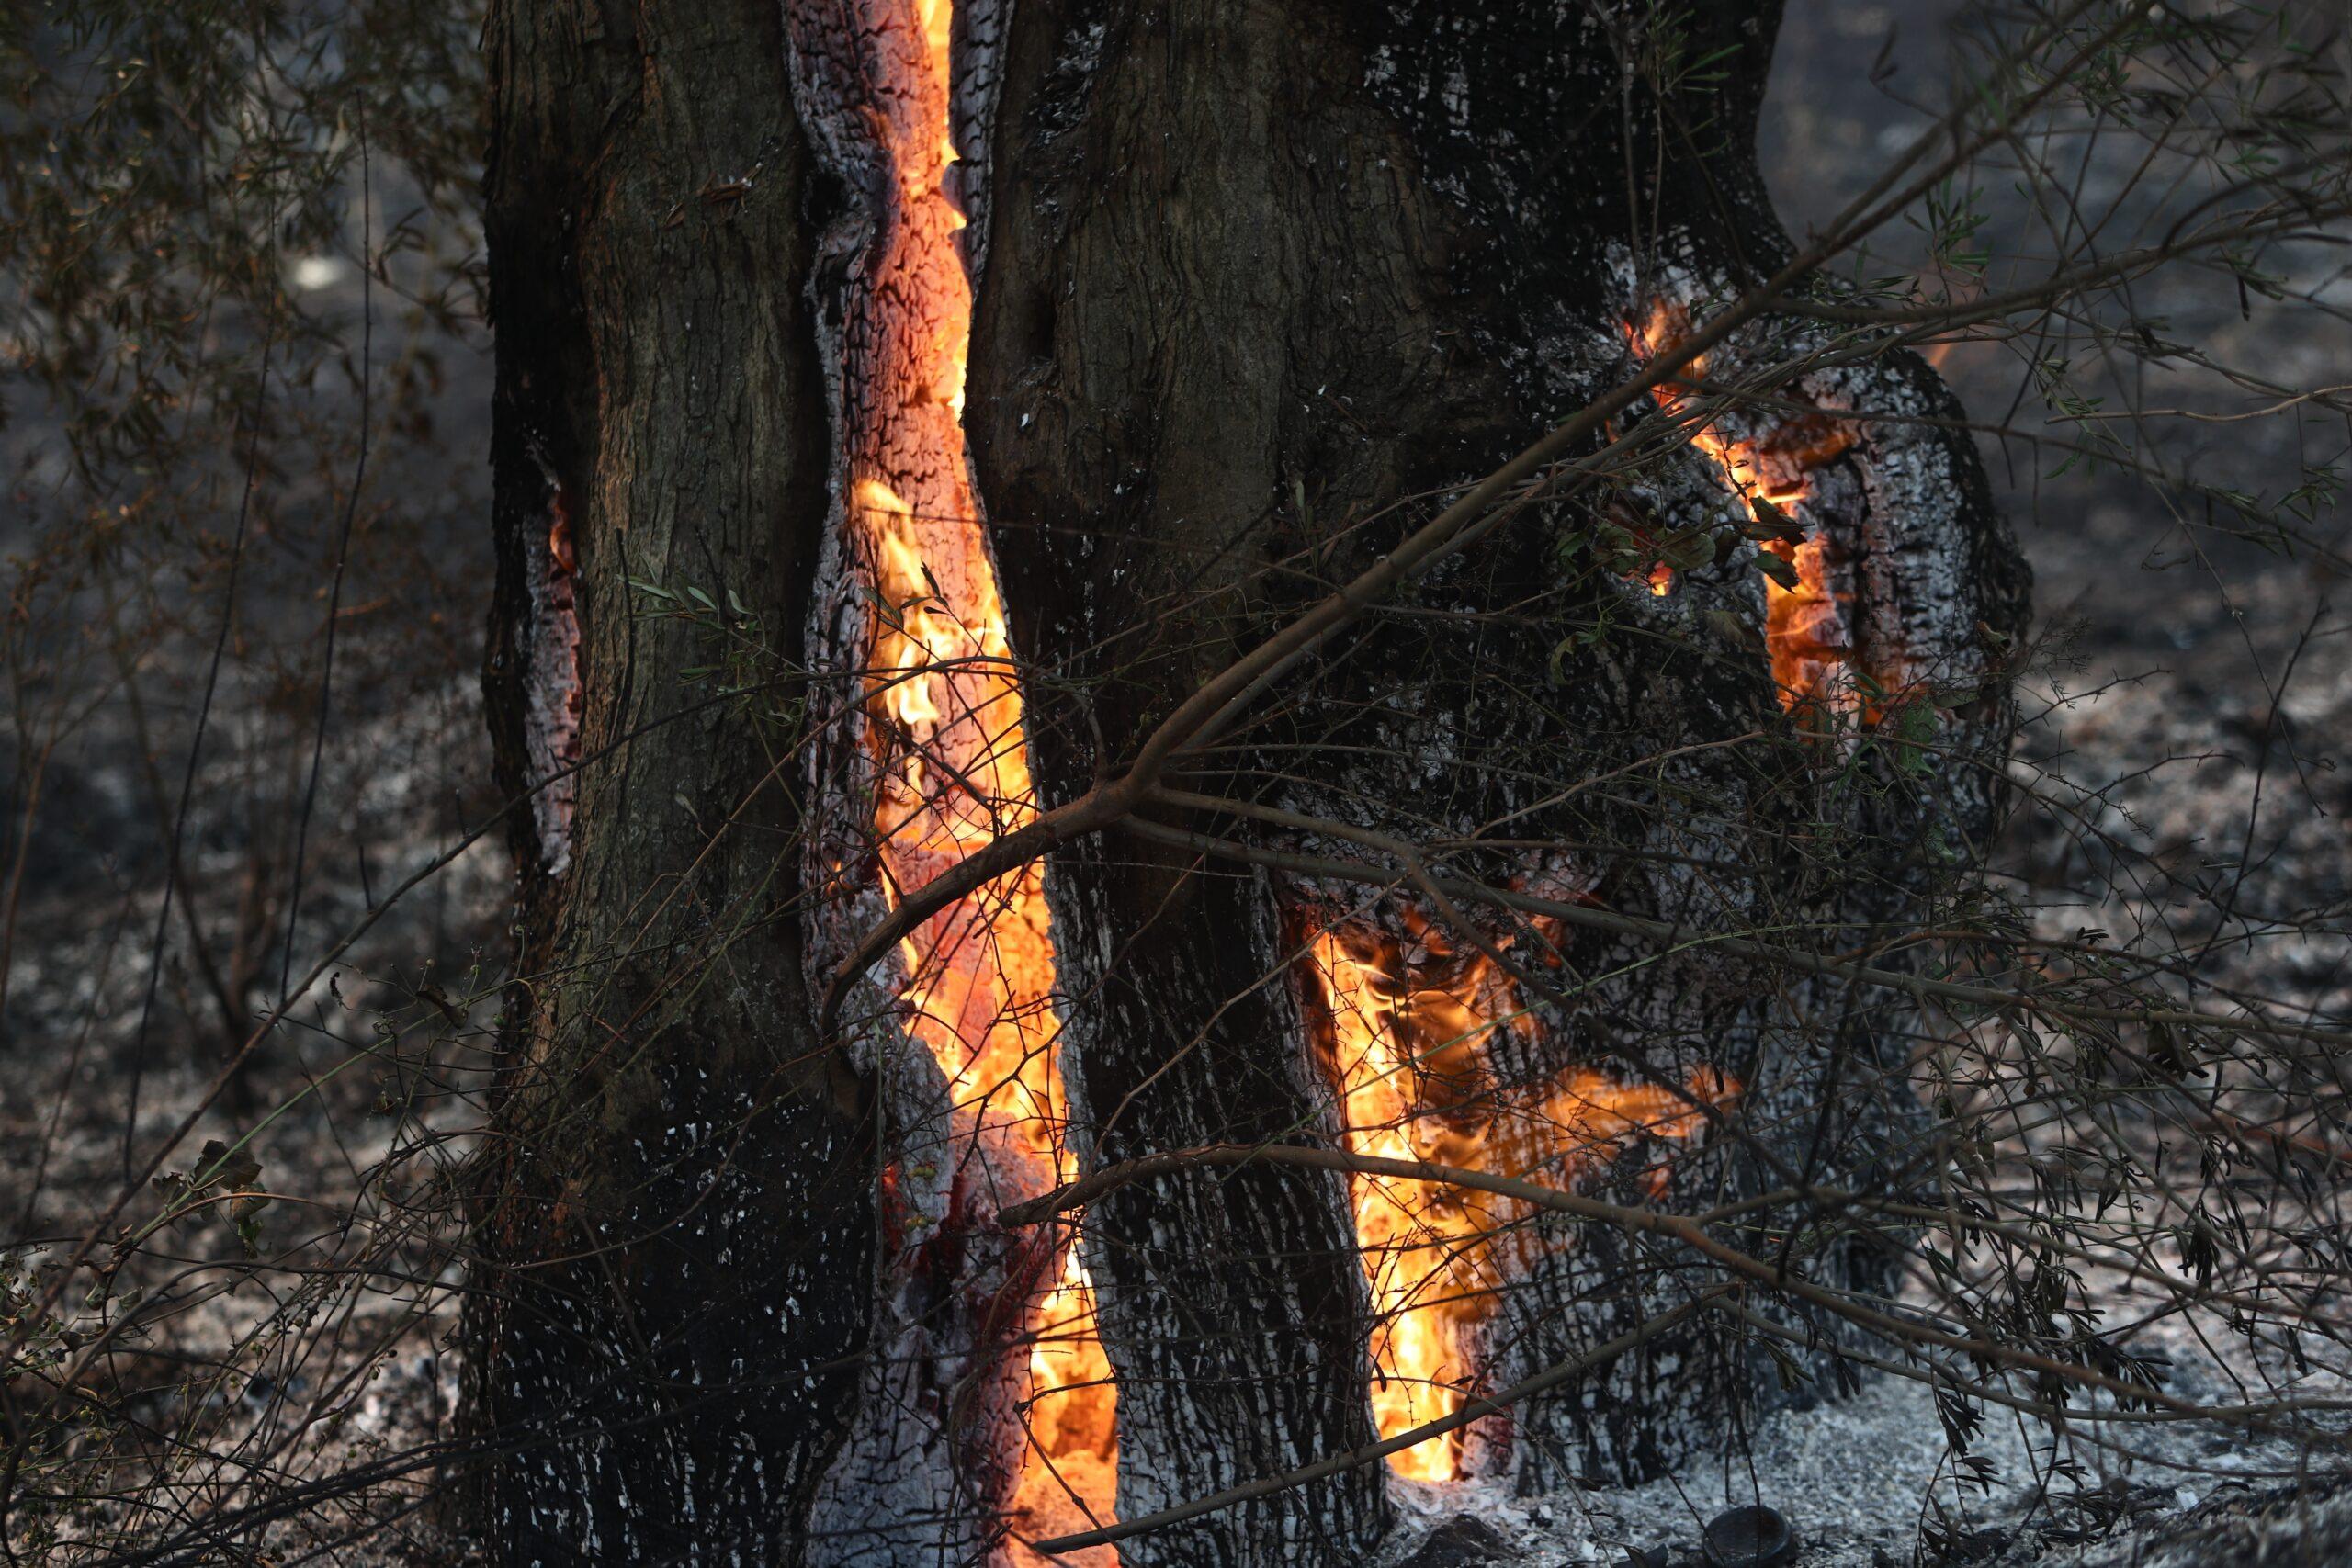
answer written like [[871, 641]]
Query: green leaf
[[1728, 625], [1771, 522], [219, 1166], [1780, 572], [1687, 549]]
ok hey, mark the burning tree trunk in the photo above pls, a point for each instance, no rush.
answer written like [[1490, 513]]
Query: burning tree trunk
[[1243, 295], [1265, 287]]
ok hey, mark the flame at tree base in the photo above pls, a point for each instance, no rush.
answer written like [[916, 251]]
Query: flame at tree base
[[1070, 1472], [1411, 1029]]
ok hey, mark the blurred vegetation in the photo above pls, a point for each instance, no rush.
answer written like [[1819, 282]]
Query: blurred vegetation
[[244, 365]]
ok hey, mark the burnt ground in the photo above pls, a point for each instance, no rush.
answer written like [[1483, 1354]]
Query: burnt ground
[[2191, 698]]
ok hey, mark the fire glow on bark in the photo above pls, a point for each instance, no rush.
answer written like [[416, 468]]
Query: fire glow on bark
[[950, 758], [1808, 627], [552, 683], [1411, 1027]]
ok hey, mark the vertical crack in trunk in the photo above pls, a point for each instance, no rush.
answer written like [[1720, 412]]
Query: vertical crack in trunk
[[990, 1405], [1769, 466], [1425, 1038], [1837, 479], [552, 687], [1408, 1026]]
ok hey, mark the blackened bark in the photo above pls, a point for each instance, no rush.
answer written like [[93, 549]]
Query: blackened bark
[[1262, 279], [677, 1223], [1266, 283], [1155, 328]]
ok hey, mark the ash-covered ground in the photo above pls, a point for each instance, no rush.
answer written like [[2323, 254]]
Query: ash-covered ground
[[1859, 1481]]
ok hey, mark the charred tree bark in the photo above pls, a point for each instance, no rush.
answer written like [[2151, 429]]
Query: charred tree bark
[[1263, 281], [677, 1221], [1264, 287]]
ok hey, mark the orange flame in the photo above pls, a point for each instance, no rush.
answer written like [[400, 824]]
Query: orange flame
[[1409, 1030], [1804, 627], [951, 760]]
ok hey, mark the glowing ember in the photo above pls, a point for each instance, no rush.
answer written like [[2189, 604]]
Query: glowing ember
[[1807, 625], [945, 737], [1409, 1027]]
